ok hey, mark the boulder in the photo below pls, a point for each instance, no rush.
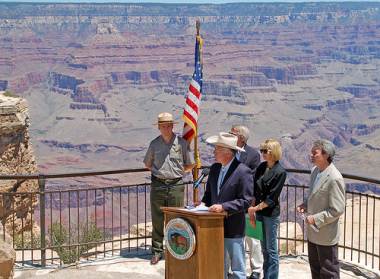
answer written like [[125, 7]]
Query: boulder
[[4, 236], [292, 231], [139, 229], [7, 260]]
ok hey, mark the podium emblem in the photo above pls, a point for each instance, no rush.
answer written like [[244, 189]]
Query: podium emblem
[[179, 238]]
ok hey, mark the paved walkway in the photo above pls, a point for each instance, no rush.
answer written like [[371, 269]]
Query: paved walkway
[[138, 267]]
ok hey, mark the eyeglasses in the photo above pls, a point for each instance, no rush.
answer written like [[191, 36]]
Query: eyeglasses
[[264, 151]]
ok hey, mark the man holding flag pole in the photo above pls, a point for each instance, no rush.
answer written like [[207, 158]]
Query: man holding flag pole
[[191, 111], [168, 157]]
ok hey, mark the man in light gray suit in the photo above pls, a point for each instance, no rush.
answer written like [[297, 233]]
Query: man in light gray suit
[[323, 207]]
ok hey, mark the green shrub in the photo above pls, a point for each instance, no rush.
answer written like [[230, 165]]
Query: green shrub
[[60, 240], [8, 93], [60, 237], [27, 240]]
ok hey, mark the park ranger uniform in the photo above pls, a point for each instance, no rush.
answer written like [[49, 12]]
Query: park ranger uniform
[[167, 162]]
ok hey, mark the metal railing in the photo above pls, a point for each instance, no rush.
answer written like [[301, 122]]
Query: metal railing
[[88, 222]]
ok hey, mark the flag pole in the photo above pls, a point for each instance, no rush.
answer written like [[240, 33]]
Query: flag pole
[[196, 152]]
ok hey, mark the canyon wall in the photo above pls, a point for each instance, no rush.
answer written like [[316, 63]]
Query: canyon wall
[[96, 76]]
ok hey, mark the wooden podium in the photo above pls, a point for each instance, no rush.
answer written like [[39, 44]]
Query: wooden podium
[[207, 261]]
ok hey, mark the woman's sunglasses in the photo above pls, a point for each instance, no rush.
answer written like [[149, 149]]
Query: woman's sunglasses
[[264, 151]]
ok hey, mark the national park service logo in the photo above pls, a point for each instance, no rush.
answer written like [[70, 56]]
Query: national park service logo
[[179, 238]]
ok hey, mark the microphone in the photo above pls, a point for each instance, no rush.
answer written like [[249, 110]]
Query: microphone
[[198, 182]]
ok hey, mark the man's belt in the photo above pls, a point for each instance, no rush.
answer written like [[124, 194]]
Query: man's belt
[[166, 181]]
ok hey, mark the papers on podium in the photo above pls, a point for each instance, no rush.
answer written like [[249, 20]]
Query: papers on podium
[[200, 207]]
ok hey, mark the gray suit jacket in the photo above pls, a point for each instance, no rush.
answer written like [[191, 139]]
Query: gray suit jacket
[[326, 202]]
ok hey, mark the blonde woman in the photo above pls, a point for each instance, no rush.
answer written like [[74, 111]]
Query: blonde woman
[[268, 183]]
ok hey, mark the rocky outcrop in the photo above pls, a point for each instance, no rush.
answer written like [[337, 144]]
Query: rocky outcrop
[[23, 83], [63, 83], [83, 96], [98, 86], [313, 107], [364, 129], [223, 90], [372, 148], [141, 78], [302, 70], [341, 105], [354, 54], [7, 260], [88, 106], [78, 66], [251, 79], [16, 157], [286, 75], [142, 229], [282, 75], [360, 91]]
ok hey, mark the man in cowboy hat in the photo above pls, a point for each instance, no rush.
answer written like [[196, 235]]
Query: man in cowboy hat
[[229, 189], [168, 158]]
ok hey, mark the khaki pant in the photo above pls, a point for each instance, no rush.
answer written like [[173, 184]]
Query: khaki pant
[[163, 195]]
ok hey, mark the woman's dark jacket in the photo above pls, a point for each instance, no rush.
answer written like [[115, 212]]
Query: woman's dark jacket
[[268, 187]]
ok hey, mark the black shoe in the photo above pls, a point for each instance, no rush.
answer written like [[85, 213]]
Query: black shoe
[[254, 275], [155, 259]]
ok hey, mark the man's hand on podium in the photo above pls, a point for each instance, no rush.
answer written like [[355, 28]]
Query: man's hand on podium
[[218, 208]]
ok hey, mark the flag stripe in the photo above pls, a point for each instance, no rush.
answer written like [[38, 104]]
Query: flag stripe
[[190, 118], [193, 116], [190, 134], [194, 90], [194, 98], [195, 84], [189, 123], [190, 104], [189, 128]]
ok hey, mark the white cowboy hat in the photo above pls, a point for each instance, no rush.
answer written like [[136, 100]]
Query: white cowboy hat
[[225, 140], [165, 117]]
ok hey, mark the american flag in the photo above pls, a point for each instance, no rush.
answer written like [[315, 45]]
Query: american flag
[[194, 94]]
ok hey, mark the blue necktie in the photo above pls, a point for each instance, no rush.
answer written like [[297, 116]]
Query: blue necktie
[[221, 177]]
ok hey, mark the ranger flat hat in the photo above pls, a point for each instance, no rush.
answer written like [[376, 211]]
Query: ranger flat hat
[[225, 140], [165, 117]]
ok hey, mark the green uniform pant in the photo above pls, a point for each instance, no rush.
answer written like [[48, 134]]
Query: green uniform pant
[[163, 195]]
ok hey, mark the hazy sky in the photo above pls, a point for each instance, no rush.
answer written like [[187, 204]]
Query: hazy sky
[[184, 1]]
